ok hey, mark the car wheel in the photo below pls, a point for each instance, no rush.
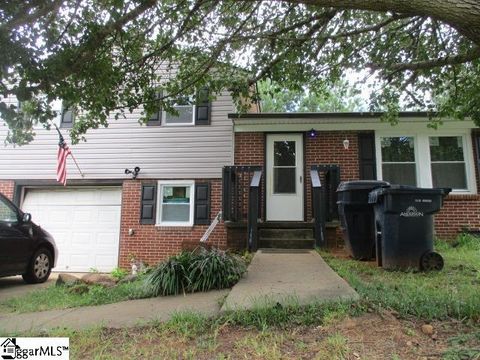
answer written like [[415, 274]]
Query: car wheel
[[40, 267]]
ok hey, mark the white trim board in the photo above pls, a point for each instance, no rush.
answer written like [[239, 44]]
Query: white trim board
[[343, 124]]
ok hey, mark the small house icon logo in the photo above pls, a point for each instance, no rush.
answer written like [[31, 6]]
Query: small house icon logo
[[8, 348], [411, 211]]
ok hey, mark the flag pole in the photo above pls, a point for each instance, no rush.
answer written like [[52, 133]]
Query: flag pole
[[62, 140]]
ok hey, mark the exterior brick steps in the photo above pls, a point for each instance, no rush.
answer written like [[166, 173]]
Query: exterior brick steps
[[285, 244], [286, 238], [286, 234]]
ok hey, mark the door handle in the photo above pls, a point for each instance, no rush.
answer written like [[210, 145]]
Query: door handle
[[300, 179]]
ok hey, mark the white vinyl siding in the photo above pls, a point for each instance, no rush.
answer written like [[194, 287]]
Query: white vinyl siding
[[173, 152], [424, 166]]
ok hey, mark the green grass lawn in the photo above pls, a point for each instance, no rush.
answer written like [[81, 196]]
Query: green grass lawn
[[60, 297], [453, 292], [389, 316]]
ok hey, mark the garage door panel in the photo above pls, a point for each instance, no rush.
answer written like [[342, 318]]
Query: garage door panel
[[84, 222]]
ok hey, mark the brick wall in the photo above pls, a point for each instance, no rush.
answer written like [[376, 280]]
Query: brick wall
[[250, 149], [459, 212], [151, 243], [7, 187], [327, 149]]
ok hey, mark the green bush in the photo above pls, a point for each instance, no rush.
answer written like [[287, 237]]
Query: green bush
[[215, 269], [171, 277], [192, 271]]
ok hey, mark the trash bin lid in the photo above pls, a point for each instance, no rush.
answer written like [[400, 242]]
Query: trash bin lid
[[405, 189], [361, 185]]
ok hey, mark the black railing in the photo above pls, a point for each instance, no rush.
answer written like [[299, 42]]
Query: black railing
[[254, 210], [318, 208], [236, 192], [329, 176]]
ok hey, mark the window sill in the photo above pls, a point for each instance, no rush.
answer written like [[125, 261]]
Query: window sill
[[178, 125], [173, 226]]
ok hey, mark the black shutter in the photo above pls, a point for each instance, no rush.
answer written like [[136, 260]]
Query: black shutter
[[156, 118], [67, 117], [148, 205], [202, 204], [476, 139], [366, 156], [203, 108]]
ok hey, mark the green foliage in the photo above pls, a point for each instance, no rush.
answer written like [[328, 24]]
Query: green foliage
[[215, 269], [270, 314], [60, 297], [413, 56], [118, 273], [451, 292], [171, 276], [192, 271], [339, 97], [187, 324]]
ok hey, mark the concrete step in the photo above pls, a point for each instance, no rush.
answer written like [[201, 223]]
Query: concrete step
[[285, 244], [286, 234]]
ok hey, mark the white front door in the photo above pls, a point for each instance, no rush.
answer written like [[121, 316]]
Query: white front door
[[284, 177]]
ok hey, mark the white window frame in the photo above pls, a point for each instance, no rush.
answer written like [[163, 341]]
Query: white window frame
[[164, 116], [422, 155], [161, 185]]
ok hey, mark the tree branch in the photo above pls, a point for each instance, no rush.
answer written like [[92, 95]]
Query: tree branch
[[439, 62]]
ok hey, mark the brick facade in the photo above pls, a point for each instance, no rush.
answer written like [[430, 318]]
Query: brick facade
[[151, 243], [7, 188], [460, 212]]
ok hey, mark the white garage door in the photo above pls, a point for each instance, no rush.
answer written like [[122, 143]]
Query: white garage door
[[85, 223]]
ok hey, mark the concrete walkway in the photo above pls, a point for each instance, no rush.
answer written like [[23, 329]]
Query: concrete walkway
[[287, 277], [118, 315], [273, 277]]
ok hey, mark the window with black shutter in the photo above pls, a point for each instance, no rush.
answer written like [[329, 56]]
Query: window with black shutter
[[366, 153], [202, 204], [148, 213]]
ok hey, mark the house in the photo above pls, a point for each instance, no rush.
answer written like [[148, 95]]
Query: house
[[8, 348], [257, 167]]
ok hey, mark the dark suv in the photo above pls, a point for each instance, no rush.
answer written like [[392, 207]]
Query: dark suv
[[25, 248]]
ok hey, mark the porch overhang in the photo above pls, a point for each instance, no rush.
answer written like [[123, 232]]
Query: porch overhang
[[295, 122]]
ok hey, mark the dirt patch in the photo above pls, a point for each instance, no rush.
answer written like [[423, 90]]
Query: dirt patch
[[371, 336]]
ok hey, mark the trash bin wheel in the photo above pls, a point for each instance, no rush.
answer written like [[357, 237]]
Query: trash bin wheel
[[431, 261]]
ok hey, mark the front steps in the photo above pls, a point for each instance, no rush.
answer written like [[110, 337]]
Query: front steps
[[286, 238]]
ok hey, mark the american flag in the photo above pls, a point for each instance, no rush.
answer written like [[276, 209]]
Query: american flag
[[62, 154]]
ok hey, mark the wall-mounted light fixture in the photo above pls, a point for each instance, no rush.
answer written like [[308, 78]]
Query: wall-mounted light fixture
[[312, 133], [134, 172], [346, 144]]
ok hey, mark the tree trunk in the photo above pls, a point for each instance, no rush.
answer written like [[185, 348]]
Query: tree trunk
[[463, 15]]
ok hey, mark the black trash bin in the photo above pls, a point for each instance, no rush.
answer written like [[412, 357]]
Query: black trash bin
[[357, 217], [404, 227]]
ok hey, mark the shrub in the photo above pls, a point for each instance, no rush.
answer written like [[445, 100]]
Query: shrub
[[215, 269], [192, 271], [118, 274], [171, 277]]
